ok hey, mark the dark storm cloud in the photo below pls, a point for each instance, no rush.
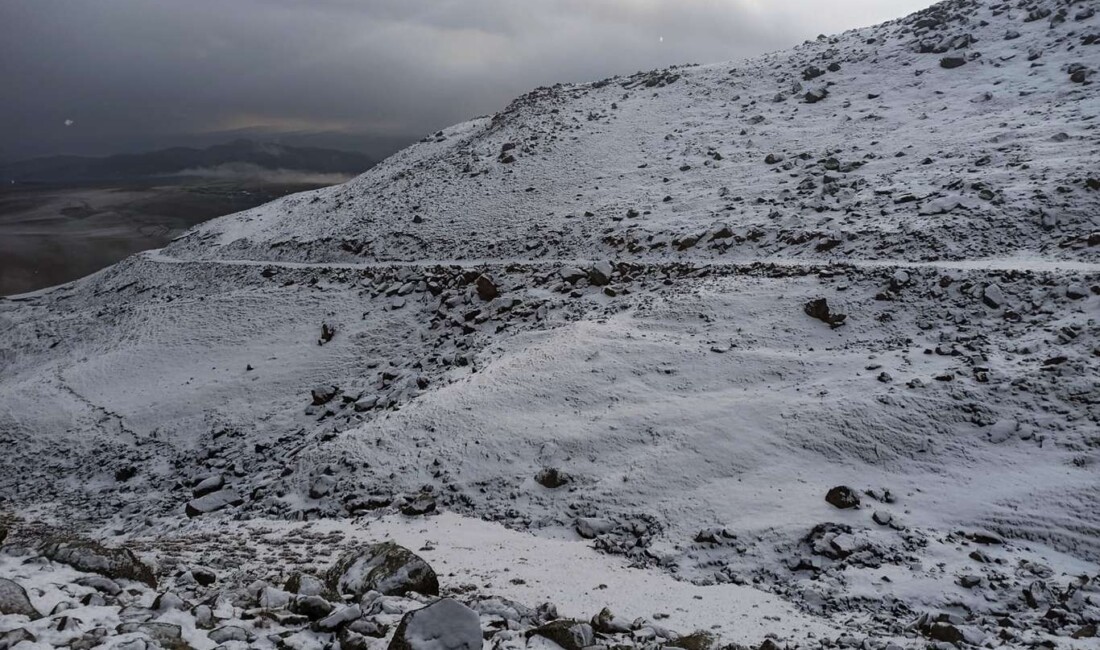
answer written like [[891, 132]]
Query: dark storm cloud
[[140, 73]]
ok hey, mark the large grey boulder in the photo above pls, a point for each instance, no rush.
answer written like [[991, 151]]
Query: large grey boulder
[[213, 502], [386, 568], [14, 600], [444, 625]]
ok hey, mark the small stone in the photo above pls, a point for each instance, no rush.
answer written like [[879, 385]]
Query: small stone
[[272, 598], [323, 394], [421, 505], [570, 635], [700, 640], [606, 623], [338, 618], [322, 487], [571, 274], [168, 601], [842, 497], [600, 274], [993, 296], [552, 478], [203, 575], [304, 584], [314, 608], [486, 288], [592, 527], [166, 634]]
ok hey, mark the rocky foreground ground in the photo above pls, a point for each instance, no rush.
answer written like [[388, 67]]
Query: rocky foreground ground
[[64, 591]]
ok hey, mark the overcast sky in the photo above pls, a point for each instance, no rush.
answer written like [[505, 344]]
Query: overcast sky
[[104, 76]]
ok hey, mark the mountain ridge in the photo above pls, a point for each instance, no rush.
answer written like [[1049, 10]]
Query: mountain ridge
[[177, 160]]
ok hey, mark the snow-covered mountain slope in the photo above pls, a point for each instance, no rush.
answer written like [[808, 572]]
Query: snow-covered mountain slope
[[668, 313], [903, 158]]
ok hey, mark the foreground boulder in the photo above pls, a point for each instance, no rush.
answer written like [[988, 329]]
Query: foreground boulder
[[14, 600], [444, 625], [387, 568], [90, 557]]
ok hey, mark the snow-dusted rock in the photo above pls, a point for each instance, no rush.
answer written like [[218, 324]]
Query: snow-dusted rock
[[114, 563], [591, 527], [272, 598], [600, 274], [14, 600], [339, 618], [168, 601], [386, 568], [213, 502], [842, 497], [570, 635], [208, 485], [304, 584], [229, 633], [486, 287], [446, 624], [166, 634], [13, 638], [552, 478], [993, 296]]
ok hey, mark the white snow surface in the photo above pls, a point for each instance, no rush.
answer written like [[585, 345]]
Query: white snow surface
[[699, 413]]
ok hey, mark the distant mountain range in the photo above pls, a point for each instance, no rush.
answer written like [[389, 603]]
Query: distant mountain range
[[241, 156]]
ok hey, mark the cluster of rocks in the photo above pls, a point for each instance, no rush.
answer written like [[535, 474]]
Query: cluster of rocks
[[372, 596]]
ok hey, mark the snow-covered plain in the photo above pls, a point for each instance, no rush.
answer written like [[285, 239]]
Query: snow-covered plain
[[583, 325]]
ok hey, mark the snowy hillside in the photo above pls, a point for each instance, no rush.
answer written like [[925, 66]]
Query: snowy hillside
[[805, 346]]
